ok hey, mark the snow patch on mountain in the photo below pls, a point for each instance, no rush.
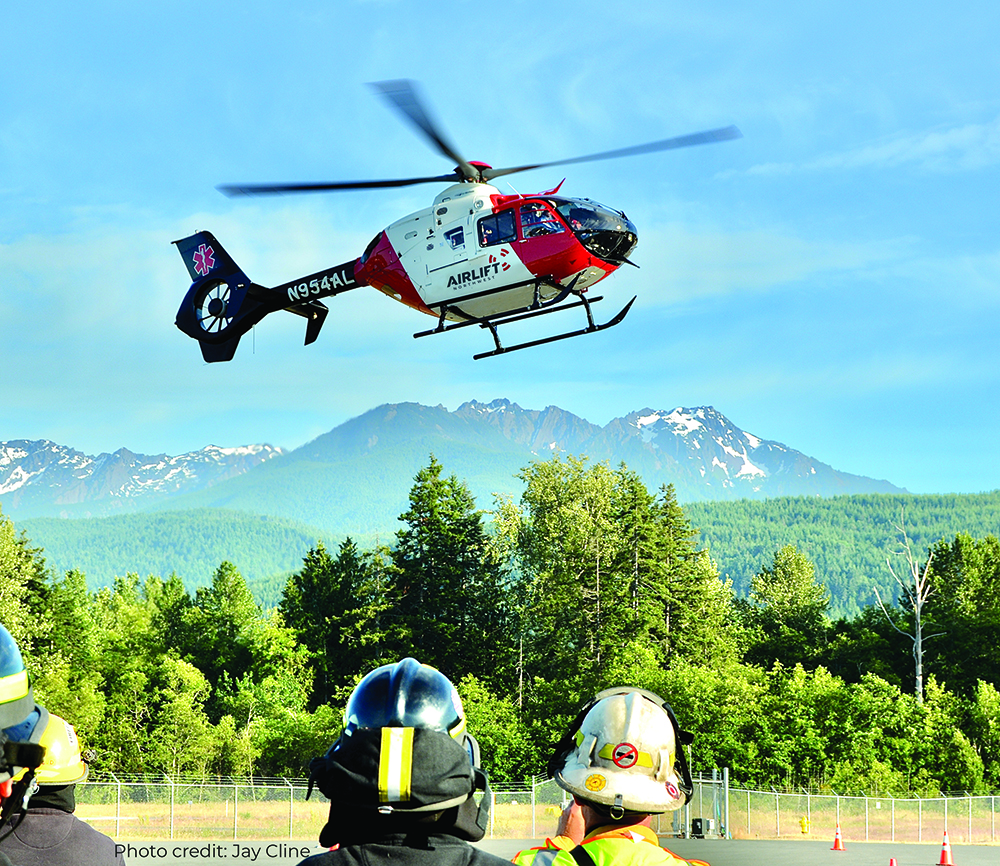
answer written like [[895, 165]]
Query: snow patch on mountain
[[45, 479]]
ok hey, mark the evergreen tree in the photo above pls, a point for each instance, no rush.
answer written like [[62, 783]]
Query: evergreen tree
[[70, 682], [23, 589], [334, 606], [446, 588], [222, 623]]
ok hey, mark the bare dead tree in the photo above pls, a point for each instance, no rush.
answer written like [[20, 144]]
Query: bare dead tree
[[915, 590]]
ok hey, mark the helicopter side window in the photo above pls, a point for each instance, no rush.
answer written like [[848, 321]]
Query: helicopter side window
[[538, 220], [497, 229], [455, 237]]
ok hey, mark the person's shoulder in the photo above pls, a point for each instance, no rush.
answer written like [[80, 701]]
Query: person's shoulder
[[543, 855], [443, 850], [324, 858], [485, 858]]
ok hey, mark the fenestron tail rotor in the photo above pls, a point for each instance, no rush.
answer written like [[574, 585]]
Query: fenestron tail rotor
[[212, 304]]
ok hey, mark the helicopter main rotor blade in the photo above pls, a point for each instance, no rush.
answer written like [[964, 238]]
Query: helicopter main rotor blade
[[402, 95], [725, 133], [232, 189]]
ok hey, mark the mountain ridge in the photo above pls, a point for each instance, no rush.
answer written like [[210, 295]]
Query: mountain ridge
[[59, 481], [355, 478]]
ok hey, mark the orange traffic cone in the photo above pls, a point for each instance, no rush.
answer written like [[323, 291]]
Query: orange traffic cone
[[838, 842], [946, 852]]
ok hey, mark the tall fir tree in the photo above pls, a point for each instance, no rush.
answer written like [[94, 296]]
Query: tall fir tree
[[335, 607], [447, 589]]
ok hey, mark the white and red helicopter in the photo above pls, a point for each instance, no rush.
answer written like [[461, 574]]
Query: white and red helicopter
[[476, 256]]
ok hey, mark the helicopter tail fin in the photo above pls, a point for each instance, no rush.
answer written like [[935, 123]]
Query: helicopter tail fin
[[222, 303]]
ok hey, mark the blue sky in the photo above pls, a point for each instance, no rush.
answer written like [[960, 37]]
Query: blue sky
[[830, 281]]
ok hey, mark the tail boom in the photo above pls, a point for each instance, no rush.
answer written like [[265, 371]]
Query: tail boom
[[222, 303]]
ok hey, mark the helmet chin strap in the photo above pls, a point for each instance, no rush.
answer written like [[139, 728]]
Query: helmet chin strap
[[19, 790], [618, 810]]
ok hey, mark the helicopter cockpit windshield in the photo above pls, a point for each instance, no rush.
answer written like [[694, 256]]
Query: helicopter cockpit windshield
[[606, 233]]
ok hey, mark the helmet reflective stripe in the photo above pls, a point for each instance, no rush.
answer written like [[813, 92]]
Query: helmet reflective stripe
[[16, 699], [609, 753], [13, 687], [395, 767]]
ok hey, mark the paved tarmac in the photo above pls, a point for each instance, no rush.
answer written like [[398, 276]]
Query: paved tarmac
[[718, 852]]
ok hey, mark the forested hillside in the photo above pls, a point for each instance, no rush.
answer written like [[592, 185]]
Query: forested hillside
[[188, 543], [589, 581], [847, 537]]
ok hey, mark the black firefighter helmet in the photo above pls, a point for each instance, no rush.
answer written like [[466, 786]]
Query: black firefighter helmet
[[404, 762]]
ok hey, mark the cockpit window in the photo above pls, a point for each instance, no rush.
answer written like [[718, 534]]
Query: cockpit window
[[590, 216], [497, 229], [538, 220], [604, 232]]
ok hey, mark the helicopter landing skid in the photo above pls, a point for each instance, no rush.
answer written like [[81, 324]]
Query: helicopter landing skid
[[494, 323]]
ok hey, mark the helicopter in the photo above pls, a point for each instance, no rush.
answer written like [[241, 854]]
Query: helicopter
[[475, 257]]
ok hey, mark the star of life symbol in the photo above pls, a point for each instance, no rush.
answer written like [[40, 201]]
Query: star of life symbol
[[204, 260]]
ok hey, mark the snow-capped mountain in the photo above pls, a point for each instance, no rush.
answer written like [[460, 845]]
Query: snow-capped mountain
[[356, 477], [43, 478], [698, 450]]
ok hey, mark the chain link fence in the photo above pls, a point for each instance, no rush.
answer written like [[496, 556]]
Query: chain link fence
[[185, 808], [248, 809], [968, 819]]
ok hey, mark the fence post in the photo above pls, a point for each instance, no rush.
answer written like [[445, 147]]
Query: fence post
[[701, 798], [725, 784], [170, 782], [291, 799], [866, 817], [920, 819], [533, 803], [892, 819], [969, 840], [236, 804], [118, 807]]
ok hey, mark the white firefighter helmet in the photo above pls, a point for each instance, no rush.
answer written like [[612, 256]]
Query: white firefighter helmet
[[624, 755]]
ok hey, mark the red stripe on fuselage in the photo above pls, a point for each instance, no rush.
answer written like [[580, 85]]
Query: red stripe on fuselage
[[383, 270]]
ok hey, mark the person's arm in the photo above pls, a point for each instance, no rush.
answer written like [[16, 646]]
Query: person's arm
[[571, 829]]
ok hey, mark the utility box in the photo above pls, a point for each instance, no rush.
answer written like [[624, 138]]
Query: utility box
[[700, 827]]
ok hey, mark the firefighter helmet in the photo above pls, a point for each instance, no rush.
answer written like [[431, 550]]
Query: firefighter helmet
[[624, 754]]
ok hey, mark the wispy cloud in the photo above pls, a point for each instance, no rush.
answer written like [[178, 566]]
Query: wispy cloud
[[960, 148], [690, 264]]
